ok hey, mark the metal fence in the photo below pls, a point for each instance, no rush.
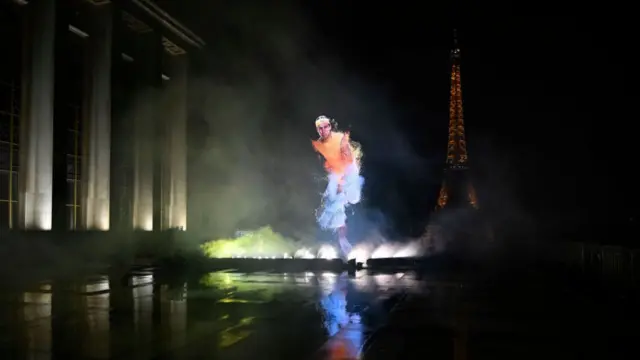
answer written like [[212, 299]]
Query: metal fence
[[611, 264]]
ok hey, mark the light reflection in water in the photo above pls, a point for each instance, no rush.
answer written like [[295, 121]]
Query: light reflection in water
[[94, 304], [236, 333], [344, 329], [136, 315], [69, 319], [36, 312], [174, 307], [335, 311], [143, 306]]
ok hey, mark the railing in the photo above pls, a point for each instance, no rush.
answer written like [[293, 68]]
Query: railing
[[611, 264]]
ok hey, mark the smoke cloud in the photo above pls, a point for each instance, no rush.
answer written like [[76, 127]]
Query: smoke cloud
[[268, 76]]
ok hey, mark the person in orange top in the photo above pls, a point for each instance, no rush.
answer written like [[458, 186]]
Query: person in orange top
[[342, 162]]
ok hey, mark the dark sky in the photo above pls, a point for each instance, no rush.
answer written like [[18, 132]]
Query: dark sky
[[548, 100]]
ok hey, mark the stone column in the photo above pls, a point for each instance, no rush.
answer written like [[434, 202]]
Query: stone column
[[35, 184], [144, 130], [174, 163], [123, 96], [96, 160], [143, 156]]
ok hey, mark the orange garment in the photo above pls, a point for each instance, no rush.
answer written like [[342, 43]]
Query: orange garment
[[336, 151]]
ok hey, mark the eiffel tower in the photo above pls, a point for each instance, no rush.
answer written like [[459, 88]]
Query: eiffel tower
[[455, 214], [456, 190]]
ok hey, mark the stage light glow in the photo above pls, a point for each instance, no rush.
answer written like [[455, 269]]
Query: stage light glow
[[327, 252], [409, 250], [361, 252], [384, 251], [263, 243], [103, 221], [303, 253]]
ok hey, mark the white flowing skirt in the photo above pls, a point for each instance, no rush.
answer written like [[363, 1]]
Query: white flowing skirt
[[333, 212]]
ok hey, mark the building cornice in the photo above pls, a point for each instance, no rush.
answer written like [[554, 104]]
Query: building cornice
[[169, 23], [154, 12]]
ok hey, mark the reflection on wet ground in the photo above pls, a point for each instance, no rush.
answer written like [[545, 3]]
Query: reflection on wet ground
[[223, 314], [142, 315]]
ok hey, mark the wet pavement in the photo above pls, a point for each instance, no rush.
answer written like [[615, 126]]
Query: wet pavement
[[226, 315], [217, 315]]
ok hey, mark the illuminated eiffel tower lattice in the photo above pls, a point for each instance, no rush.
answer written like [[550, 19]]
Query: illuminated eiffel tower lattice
[[457, 189]]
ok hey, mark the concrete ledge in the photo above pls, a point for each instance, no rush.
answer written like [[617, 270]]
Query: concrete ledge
[[29, 249]]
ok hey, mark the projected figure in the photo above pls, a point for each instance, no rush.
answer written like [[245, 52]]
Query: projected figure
[[342, 162]]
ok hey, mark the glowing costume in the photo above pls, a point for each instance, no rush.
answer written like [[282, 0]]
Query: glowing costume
[[342, 162]]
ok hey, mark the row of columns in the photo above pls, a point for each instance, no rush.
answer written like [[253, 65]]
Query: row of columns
[[162, 107]]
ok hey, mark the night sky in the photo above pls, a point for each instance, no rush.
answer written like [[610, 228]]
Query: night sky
[[548, 102]]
